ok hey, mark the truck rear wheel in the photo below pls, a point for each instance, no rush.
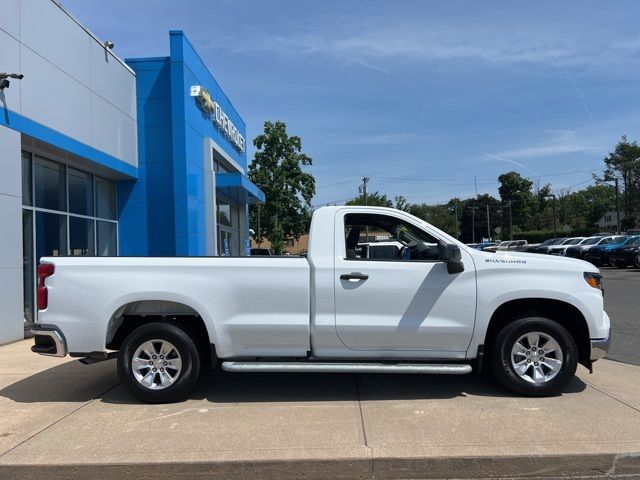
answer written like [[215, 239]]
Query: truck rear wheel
[[534, 356], [158, 362]]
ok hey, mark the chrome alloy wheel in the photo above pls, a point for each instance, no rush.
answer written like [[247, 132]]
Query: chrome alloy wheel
[[156, 364], [536, 357]]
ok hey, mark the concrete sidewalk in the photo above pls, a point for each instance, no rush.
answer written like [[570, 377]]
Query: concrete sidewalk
[[60, 419]]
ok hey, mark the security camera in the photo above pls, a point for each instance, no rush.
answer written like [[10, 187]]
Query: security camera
[[109, 44], [4, 82], [17, 76]]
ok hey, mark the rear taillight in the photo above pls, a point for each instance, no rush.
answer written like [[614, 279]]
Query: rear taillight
[[45, 270]]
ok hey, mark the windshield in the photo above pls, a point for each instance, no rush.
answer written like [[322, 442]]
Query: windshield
[[568, 241], [618, 241], [605, 240], [576, 241], [591, 241], [548, 242], [558, 241]]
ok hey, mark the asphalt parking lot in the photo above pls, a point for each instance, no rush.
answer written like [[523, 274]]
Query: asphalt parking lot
[[622, 303]]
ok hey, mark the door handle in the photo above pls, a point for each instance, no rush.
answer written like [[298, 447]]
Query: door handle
[[354, 276]]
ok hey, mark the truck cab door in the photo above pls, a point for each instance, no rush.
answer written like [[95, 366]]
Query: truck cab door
[[407, 304]]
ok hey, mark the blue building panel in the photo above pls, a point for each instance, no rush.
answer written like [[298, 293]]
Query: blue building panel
[[172, 129]]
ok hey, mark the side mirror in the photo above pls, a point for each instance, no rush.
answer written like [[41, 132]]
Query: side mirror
[[450, 254]]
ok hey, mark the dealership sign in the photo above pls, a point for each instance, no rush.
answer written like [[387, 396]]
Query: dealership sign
[[217, 114]]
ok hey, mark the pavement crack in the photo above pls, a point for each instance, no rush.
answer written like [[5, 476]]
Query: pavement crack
[[60, 419], [613, 398]]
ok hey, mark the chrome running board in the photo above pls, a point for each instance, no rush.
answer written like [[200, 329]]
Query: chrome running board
[[432, 368]]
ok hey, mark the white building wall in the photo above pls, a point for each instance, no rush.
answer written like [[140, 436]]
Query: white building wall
[[72, 83], [11, 316]]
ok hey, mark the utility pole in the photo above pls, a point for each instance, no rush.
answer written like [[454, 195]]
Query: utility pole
[[488, 224], [455, 206], [363, 188], [617, 208], [510, 223], [473, 224], [555, 233], [553, 196], [608, 178], [363, 191]]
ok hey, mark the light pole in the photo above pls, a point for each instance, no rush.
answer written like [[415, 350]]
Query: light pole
[[608, 178]]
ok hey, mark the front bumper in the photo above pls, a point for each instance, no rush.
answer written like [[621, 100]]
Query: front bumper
[[48, 340], [600, 347]]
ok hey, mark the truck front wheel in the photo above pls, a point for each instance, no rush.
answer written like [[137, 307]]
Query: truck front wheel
[[534, 356], [158, 362]]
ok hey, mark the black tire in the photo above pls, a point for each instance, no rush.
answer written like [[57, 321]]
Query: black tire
[[188, 353], [504, 370], [636, 261]]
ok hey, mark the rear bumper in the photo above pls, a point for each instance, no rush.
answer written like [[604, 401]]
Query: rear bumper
[[48, 340]]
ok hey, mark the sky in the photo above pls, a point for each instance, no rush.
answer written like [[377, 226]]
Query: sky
[[426, 98]]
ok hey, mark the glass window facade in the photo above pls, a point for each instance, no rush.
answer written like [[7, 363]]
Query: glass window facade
[[65, 211]]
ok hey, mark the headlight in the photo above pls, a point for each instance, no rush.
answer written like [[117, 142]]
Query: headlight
[[593, 279]]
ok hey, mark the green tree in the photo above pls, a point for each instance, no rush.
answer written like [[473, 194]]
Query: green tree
[[594, 201], [374, 199], [402, 204], [517, 189], [473, 215], [624, 163], [440, 216], [277, 170]]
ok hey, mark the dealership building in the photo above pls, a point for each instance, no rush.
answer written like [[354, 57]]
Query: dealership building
[[104, 156]]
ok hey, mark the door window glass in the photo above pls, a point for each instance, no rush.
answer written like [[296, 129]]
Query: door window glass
[[402, 240]]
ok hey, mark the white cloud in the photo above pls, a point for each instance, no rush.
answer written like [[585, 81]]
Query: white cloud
[[507, 160], [561, 142], [373, 46]]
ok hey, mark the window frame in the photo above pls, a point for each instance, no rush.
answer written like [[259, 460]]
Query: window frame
[[343, 234]]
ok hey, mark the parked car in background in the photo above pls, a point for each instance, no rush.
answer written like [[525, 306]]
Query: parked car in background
[[542, 247], [485, 245], [560, 249], [626, 255], [599, 254], [580, 250], [510, 245]]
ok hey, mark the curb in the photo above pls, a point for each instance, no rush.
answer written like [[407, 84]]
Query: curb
[[382, 468]]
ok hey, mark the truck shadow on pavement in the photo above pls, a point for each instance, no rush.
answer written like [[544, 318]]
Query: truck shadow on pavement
[[73, 382]]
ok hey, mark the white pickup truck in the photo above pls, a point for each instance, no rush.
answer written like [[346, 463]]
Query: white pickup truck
[[432, 306]]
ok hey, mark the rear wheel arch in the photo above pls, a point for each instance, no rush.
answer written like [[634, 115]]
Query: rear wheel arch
[[133, 315], [560, 312]]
